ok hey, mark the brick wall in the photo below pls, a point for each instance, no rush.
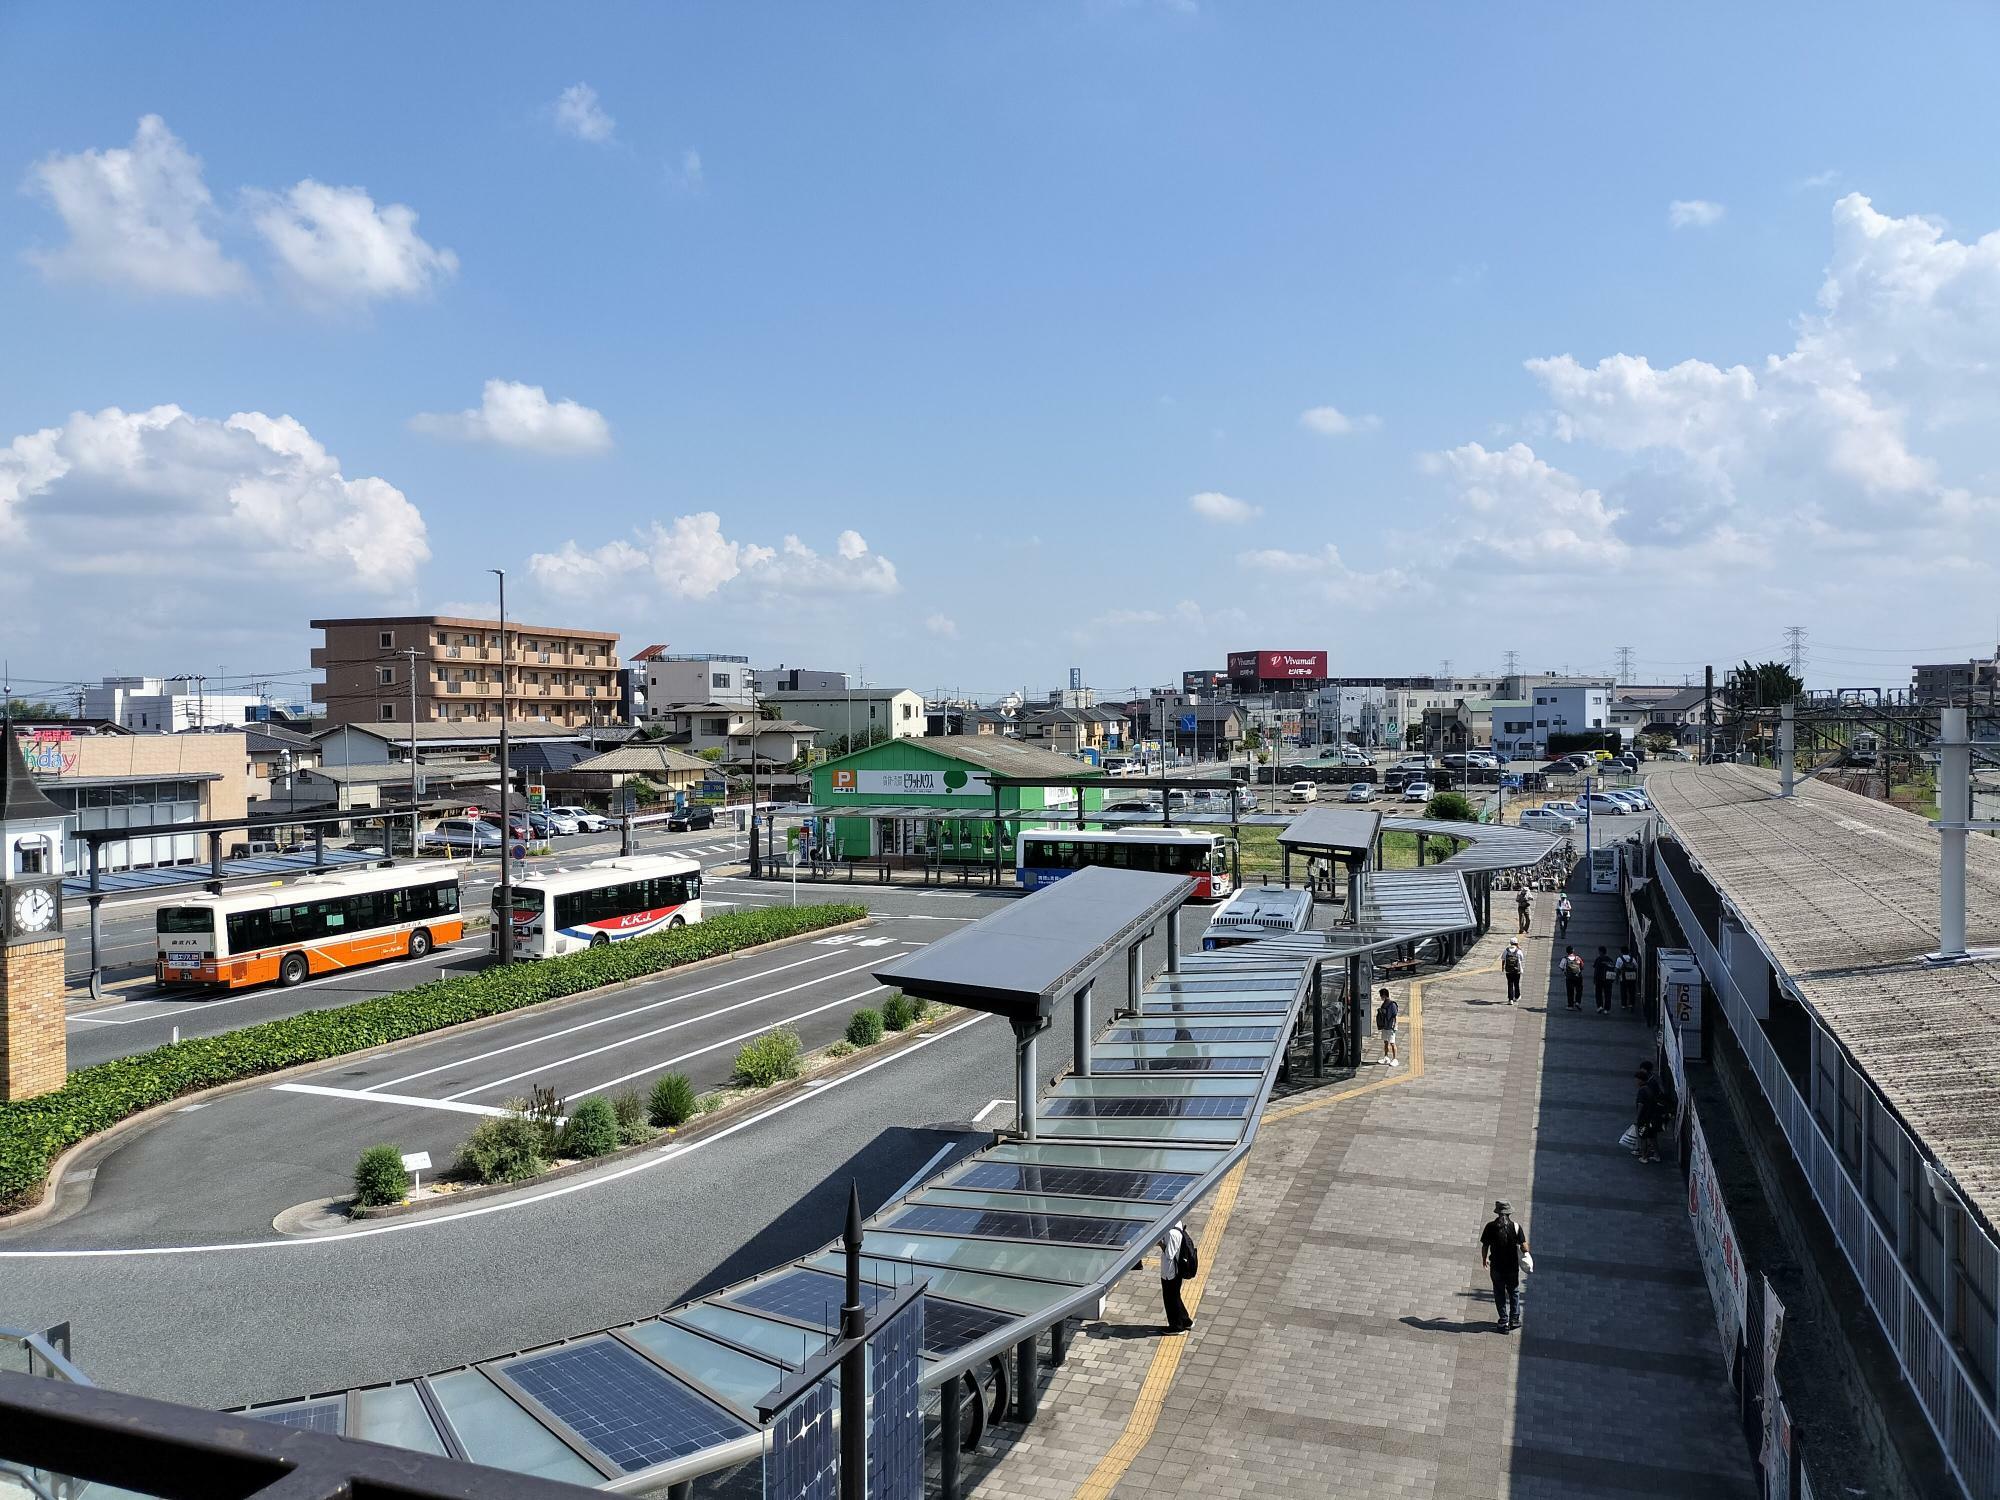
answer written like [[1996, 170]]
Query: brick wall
[[34, 1056]]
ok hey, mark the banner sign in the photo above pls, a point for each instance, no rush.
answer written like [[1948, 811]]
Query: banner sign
[[951, 782], [1680, 996], [1777, 1452], [1715, 1239]]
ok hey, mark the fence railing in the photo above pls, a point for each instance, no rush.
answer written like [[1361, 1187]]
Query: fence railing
[[1945, 1389]]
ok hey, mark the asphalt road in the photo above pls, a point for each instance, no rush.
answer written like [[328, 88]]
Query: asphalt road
[[276, 1317]]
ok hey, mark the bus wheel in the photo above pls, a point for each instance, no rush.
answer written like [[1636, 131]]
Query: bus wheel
[[677, 922], [293, 970], [600, 940], [420, 944]]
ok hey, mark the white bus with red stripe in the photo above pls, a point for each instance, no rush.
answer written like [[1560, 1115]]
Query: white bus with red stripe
[[606, 901]]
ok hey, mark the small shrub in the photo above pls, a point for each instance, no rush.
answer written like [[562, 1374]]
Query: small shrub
[[864, 1027], [631, 1112], [1451, 807], [770, 1058], [896, 1012], [504, 1148], [592, 1130], [708, 1103], [919, 1009], [379, 1177], [672, 1101], [842, 1048], [545, 1110]]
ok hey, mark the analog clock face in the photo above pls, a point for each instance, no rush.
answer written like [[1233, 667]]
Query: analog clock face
[[34, 911]]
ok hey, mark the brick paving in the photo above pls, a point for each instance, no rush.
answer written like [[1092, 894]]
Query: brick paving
[[1346, 1340]]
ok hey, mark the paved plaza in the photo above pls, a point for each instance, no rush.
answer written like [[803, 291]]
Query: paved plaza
[[1346, 1340]]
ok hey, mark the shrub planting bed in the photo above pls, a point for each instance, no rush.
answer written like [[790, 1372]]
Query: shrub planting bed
[[33, 1132]]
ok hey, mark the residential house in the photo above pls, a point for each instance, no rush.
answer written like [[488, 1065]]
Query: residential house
[[856, 714]]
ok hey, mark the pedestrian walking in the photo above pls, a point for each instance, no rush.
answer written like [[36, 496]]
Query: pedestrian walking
[[1628, 979], [1386, 1015], [1601, 978], [1178, 1261], [1647, 1108], [1522, 906], [1510, 965], [1503, 1254], [1562, 915], [1573, 978]]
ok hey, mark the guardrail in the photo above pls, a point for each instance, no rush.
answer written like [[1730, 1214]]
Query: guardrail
[[1945, 1389]]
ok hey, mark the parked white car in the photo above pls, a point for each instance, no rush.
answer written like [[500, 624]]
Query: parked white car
[[1571, 810], [1417, 791], [1604, 802], [1541, 820], [585, 820], [1302, 791], [1412, 763]]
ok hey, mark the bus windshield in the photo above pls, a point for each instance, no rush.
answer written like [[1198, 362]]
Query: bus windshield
[[527, 902], [186, 919]]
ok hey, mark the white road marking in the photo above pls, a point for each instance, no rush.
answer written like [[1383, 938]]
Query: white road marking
[[410, 1099], [637, 1010], [707, 1015], [584, 1184], [737, 1040], [980, 1118]]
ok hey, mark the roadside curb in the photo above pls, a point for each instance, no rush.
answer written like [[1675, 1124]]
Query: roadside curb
[[48, 1203], [701, 1125]]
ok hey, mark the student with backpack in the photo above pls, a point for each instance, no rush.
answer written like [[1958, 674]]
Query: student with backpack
[[1628, 979], [1179, 1260], [1510, 965], [1602, 972], [1386, 1016], [1573, 979]]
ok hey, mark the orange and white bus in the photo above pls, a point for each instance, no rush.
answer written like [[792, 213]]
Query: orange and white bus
[[317, 925]]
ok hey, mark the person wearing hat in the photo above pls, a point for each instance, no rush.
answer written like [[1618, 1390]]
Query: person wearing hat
[[1503, 1254]]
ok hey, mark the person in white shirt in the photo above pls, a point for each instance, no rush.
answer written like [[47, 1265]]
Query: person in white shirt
[[1178, 1320]]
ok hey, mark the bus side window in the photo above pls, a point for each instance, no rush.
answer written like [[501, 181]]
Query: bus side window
[[248, 930]]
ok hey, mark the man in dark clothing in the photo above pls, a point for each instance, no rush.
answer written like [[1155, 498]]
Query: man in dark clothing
[[1573, 979], [1522, 907], [1648, 1108], [1628, 979], [1502, 1243], [1510, 965], [1601, 978], [1178, 1320]]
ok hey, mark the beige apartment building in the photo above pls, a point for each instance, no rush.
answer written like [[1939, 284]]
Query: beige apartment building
[[464, 673]]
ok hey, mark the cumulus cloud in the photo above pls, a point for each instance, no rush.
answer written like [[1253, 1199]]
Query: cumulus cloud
[[1694, 213], [1527, 510], [335, 245], [1212, 505], [691, 558], [578, 113], [515, 415], [138, 217], [944, 627], [232, 504], [1326, 575], [1331, 421]]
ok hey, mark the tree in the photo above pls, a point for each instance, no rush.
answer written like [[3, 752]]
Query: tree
[[860, 740], [712, 754], [1413, 737], [1451, 807], [21, 708], [1766, 684]]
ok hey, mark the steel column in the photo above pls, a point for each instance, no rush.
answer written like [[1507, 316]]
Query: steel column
[[1319, 1027], [1059, 1342], [1954, 784], [1080, 1044], [1024, 1085], [96, 925], [950, 1414], [1135, 974], [1027, 1393], [854, 1366], [1173, 925]]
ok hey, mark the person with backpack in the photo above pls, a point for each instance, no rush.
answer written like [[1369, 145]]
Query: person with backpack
[[1573, 979], [1563, 910], [1510, 965], [1522, 907], [1179, 1261], [1601, 972], [1386, 1016], [1503, 1255], [1628, 979]]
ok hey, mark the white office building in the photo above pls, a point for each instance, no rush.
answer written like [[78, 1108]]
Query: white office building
[[168, 705]]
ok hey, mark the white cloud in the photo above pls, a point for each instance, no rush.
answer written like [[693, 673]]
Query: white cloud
[[1186, 615], [1329, 577], [1331, 421], [515, 415], [335, 245], [688, 174], [1694, 213], [578, 113], [1212, 505], [1820, 179], [137, 217], [1526, 510], [692, 559], [231, 505], [944, 627]]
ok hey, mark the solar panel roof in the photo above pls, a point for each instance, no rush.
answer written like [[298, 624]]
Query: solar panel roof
[[626, 1409]]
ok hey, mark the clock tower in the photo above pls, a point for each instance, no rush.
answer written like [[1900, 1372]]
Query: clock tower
[[34, 1053]]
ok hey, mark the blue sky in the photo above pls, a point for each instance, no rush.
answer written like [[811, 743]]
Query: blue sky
[[1011, 319]]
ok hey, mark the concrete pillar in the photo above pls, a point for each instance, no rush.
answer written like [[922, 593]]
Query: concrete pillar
[[1080, 1042], [1787, 758], [1954, 785]]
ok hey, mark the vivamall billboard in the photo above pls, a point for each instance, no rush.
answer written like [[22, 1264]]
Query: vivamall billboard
[[1250, 668]]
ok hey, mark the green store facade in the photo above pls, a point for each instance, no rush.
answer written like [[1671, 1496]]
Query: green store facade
[[933, 797]]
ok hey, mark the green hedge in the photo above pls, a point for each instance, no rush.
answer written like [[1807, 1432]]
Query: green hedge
[[33, 1132]]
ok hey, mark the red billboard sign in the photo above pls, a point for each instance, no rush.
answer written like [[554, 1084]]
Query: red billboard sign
[[1276, 666]]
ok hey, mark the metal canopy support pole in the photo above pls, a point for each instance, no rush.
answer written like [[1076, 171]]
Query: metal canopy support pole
[[1024, 1084], [319, 848], [951, 1414], [1285, 855], [1319, 1027], [1027, 1395], [1787, 759], [998, 828], [1357, 1008], [1173, 921], [1135, 974], [854, 1364], [1059, 1342], [1954, 784], [1080, 1045], [215, 864], [96, 927], [682, 1491]]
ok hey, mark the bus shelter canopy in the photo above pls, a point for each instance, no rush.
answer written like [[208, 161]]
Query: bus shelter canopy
[[1343, 833]]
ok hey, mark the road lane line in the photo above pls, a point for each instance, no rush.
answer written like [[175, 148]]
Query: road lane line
[[707, 1015], [608, 1083], [637, 1010], [980, 1118], [583, 1184], [410, 1099]]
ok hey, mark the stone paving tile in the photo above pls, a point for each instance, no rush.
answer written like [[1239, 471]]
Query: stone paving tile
[[1345, 1344]]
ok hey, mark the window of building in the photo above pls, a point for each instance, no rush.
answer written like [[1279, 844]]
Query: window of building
[[388, 713], [718, 679], [1973, 1297], [385, 675], [1885, 1140], [386, 639], [31, 855], [444, 638]]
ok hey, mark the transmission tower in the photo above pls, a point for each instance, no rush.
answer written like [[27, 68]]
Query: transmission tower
[[1624, 663], [1795, 649], [1444, 670], [1513, 662]]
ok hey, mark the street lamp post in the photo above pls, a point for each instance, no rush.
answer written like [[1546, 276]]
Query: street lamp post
[[505, 911]]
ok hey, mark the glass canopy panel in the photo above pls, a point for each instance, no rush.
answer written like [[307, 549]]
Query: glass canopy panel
[[313, 1416], [1048, 1262], [981, 1223], [1170, 1065], [625, 1408], [1063, 1127], [1195, 1159], [1040, 1203], [393, 1414], [781, 1341], [1144, 1029], [950, 1326], [1156, 1088], [1252, 1054], [1175, 1005], [804, 1297], [1226, 978], [1080, 1182], [1018, 1297], [732, 1375], [496, 1431], [1176, 1107]]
